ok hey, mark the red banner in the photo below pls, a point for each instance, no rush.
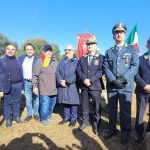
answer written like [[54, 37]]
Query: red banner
[[82, 47]]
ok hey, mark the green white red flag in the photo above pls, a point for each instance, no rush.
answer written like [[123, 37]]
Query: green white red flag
[[133, 38]]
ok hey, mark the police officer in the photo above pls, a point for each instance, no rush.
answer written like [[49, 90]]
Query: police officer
[[142, 91], [120, 66], [89, 71]]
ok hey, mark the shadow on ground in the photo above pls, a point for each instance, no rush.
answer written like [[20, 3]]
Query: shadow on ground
[[26, 143]]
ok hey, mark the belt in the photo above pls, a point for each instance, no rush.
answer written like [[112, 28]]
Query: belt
[[29, 80], [14, 82]]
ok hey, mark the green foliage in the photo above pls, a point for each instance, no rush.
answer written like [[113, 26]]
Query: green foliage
[[39, 43], [3, 40]]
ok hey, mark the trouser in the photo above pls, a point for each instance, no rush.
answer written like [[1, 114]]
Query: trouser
[[95, 95], [29, 95], [12, 102], [141, 104], [70, 111], [125, 111], [47, 104]]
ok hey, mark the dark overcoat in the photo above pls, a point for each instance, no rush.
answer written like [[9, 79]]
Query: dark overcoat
[[66, 71]]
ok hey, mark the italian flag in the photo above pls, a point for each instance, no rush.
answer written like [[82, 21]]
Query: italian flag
[[133, 38]]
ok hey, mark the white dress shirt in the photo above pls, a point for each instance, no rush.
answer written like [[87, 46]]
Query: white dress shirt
[[27, 67]]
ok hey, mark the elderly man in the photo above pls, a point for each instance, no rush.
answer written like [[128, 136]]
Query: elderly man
[[27, 61], [89, 71], [44, 83], [11, 84], [142, 91], [67, 91], [120, 66]]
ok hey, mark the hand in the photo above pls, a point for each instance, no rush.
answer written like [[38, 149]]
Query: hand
[[1, 94], [122, 80], [117, 84], [35, 91], [87, 82], [63, 83], [147, 88]]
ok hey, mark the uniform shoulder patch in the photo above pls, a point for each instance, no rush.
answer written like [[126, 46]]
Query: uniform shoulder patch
[[112, 48]]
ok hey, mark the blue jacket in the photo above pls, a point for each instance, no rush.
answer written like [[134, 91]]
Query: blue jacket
[[5, 80], [22, 57], [66, 71], [124, 63], [143, 76], [92, 72]]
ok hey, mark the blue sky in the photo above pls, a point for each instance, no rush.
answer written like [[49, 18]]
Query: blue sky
[[59, 21]]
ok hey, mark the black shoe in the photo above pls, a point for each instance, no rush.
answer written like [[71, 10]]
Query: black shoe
[[36, 118], [138, 138], [108, 134], [63, 121], [17, 120], [124, 141], [83, 126], [28, 118], [8, 124], [72, 123]]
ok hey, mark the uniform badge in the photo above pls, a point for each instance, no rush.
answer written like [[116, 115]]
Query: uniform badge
[[96, 62], [146, 56]]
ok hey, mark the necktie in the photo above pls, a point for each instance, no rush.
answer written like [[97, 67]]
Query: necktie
[[118, 48], [90, 59]]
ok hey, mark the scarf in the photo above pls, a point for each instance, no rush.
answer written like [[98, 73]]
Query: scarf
[[45, 60]]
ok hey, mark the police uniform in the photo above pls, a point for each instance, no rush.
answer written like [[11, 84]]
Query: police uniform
[[92, 71], [142, 79], [120, 66]]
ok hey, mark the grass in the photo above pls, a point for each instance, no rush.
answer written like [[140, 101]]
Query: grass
[[34, 136]]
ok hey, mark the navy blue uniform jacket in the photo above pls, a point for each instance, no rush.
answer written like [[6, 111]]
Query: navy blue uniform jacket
[[92, 72], [143, 76]]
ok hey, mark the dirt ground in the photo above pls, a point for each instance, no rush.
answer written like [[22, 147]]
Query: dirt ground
[[34, 136]]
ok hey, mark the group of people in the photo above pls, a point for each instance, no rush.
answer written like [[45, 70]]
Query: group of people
[[44, 82]]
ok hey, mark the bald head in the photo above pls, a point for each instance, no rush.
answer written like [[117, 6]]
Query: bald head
[[69, 47], [69, 51]]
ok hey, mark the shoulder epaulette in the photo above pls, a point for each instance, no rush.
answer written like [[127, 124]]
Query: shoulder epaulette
[[112, 48]]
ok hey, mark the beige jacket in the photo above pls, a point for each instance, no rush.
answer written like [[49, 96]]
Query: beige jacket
[[44, 78]]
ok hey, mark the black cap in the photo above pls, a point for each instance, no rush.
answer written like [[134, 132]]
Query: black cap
[[119, 27], [47, 47]]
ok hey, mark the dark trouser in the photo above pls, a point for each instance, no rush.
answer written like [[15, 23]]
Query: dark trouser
[[12, 102], [95, 95], [70, 111], [125, 111], [141, 102]]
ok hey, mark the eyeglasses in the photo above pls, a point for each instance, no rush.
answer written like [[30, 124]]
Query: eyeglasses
[[119, 32], [68, 50]]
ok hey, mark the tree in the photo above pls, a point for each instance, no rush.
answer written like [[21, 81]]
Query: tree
[[3, 40], [39, 43]]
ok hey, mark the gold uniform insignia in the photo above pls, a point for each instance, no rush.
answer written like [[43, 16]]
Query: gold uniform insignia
[[146, 56], [96, 62]]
